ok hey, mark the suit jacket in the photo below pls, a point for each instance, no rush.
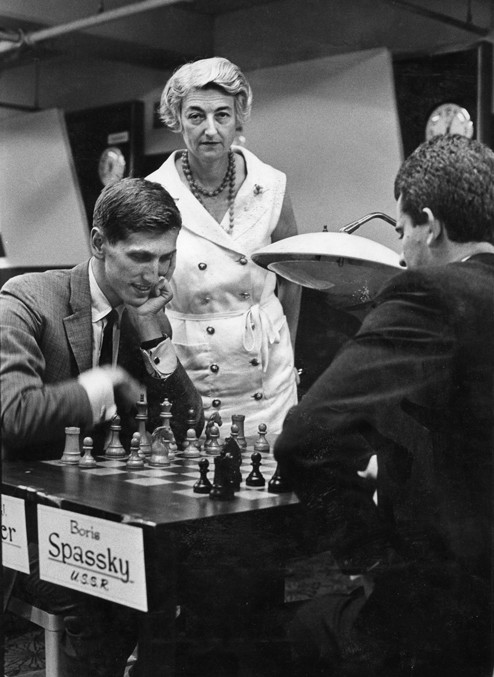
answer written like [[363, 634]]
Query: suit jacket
[[46, 341], [415, 387]]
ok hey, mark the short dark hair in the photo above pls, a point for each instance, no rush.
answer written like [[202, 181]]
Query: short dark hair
[[135, 205], [454, 177]]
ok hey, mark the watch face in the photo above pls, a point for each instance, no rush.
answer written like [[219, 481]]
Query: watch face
[[449, 118], [111, 165]]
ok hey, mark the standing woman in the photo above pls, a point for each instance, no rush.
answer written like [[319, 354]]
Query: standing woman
[[233, 323]]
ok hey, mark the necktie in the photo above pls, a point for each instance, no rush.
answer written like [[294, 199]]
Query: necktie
[[106, 354]]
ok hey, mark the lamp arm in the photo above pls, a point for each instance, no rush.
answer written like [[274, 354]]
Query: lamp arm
[[354, 225]]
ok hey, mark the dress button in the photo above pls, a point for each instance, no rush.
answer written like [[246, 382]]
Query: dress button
[[214, 368], [257, 396], [216, 403], [245, 294], [202, 266], [243, 261], [210, 330], [206, 299], [254, 362]]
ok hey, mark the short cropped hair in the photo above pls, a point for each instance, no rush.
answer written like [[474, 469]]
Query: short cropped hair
[[214, 72], [135, 205], [454, 177]]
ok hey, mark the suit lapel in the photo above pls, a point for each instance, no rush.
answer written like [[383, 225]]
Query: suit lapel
[[78, 326]]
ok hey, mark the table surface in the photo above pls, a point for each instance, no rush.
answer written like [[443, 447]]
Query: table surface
[[156, 496]]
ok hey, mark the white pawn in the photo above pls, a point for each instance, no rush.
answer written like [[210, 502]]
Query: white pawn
[[261, 444], [214, 446], [88, 460], [135, 460], [190, 449]]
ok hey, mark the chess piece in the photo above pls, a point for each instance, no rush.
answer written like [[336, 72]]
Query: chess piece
[[277, 485], [160, 446], [166, 417], [203, 485], [239, 420], [71, 453], [214, 419], [191, 425], [189, 447], [255, 477], [141, 418], [214, 447], [135, 460], [115, 448], [233, 434], [222, 489], [232, 450], [87, 460], [261, 444]]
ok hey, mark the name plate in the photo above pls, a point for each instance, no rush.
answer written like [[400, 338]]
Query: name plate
[[14, 535], [92, 555]]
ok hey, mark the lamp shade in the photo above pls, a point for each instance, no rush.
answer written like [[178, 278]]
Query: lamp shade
[[349, 268]]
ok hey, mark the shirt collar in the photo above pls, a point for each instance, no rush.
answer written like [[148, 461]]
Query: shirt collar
[[100, 306]]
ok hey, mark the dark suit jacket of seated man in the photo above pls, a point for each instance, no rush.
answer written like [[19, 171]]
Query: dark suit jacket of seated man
[[415, 388], [52, 334]]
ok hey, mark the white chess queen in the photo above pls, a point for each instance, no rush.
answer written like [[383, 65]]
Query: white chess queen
[[233, 334]]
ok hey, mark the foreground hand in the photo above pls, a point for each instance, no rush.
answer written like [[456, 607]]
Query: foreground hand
[[127, 389]]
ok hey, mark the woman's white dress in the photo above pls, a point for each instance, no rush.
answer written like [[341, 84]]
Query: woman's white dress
[[229, 328]]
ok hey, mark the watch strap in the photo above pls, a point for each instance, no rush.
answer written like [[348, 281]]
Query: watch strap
[[152, 343]]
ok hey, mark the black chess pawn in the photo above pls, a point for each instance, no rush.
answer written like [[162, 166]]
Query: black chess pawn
[[191, 425], [115, 448], [261, 444], [135, 460], [255, 478], [203, 485], [87, 460], [278, 485]]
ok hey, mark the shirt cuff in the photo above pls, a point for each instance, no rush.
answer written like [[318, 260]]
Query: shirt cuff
[[99, 389], [161, 361]]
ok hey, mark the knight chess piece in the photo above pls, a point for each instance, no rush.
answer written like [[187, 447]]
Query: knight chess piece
[[261, 444], [115, 448], [135, 460], [203, 485], [239, 421], [141, 418], [72, 452], [87, 460], [160, 446], [255, 478]]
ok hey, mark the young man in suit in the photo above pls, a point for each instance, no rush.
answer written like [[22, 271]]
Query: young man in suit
[[415, 388], [58, 370]]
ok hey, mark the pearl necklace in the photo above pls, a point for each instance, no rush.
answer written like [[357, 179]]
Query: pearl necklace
[[198, 191]]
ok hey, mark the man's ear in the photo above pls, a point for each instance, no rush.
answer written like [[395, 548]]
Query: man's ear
[[435, 227], [97, 243]]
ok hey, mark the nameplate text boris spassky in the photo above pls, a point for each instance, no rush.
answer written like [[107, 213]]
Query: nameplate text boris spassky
[[92, 555]]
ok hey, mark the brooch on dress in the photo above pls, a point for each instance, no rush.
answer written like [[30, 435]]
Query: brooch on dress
[[258, 189]]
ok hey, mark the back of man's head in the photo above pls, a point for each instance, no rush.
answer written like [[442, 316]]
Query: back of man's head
[[454, 177], [135, 205]]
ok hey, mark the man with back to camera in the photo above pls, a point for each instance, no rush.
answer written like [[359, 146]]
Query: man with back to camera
[[415, 387], [52, 340]]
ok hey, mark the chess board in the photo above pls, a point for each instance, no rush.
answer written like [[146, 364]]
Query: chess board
[[181, 475]]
